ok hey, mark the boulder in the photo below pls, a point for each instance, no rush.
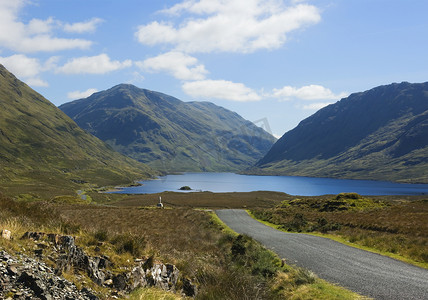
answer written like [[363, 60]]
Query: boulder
[[6, 234]]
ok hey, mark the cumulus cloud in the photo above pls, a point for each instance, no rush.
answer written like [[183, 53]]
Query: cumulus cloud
[[177, 64], [35, 36], [240, 26], [36, 81], [220, 89], [316, 106], [78, 94], [99, 64], [26, 68], [309, 92], [82, 27]]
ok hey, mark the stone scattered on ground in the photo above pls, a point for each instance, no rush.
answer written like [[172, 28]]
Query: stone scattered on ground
[[22, 277], [6, 234]]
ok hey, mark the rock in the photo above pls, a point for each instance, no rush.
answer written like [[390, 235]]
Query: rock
[[34, 283], [120, 282], [13, 270], [28, 278], [38, 252], [36, 236], [53, 238], [189, 289], [6, 234], [108, 282], [69, 256]]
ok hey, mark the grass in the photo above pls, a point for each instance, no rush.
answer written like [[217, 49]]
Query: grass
[[153, 294], [285, 282], [221, 263], [209, 200], [397, 228], [42, 151]]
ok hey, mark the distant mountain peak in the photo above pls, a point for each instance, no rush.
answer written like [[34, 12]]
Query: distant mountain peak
[[170, 134], [379, 134]]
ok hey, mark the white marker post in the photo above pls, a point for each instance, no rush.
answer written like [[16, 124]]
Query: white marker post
[[160, 205]]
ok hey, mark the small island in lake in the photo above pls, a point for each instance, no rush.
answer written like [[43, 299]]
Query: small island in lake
[[185, 188]]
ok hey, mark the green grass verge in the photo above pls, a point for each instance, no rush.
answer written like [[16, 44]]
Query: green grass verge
[[346, 242], [294, 282], [152, 294]]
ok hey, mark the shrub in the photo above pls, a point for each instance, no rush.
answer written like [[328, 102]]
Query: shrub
[[304, 276], [239, 245], [298, 223], [132, 244], [101, 235], [348, 196]]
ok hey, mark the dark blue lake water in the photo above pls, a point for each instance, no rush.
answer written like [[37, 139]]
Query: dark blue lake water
[[304, 186]]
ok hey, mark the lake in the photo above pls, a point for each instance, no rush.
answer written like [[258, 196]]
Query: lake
[[304, 186]]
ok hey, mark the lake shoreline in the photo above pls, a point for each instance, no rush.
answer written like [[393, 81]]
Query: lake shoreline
[[292, 185]]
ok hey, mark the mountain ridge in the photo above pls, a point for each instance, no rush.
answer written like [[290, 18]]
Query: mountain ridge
[[40, 144], [170, 134], [379, 134]]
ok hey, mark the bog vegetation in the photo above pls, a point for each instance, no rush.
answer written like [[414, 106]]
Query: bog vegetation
[[222, 264], [397, 227]]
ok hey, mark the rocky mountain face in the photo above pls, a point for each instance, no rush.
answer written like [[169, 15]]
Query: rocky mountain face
[[39, 143], [379, 134], [169, 134]]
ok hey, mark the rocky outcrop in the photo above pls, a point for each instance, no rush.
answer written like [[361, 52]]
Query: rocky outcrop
[[22, 277], [145, 272]]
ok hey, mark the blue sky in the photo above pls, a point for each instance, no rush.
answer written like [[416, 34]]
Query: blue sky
[[270, 60]]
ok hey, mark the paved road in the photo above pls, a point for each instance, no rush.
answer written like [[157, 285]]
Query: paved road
[[363, 272]]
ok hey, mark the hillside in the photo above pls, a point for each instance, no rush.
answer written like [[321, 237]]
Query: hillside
[[41, 146], [169, 134], [379, 134]]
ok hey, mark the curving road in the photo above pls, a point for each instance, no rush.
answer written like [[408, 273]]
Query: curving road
[[366, 273]]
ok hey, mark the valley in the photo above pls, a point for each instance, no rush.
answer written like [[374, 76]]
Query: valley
[[54, 177]]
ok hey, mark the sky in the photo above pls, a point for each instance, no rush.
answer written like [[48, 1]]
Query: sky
[[274, 62]]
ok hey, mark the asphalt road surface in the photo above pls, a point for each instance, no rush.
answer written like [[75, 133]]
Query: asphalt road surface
[[366, 273]]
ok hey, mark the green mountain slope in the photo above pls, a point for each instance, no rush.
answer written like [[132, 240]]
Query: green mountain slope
[[169, 134], [379, 134], [39, 144]]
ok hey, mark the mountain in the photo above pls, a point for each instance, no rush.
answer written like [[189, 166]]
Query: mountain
[[169, 134], [379, 134], [40, 145]]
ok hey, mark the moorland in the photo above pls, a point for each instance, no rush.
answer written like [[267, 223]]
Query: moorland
[[53, 180]]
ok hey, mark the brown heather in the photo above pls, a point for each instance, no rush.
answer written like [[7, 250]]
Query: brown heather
[[221, 264], [394, 225]]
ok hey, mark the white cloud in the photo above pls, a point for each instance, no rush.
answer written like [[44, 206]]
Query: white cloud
[[220, 89], [81, 27], [229, 26], [179, 65], [78, 94], [26, 68], [36, 81], [37, 26], [35, 36], [99, 64], [309, 92], [316, 106]]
